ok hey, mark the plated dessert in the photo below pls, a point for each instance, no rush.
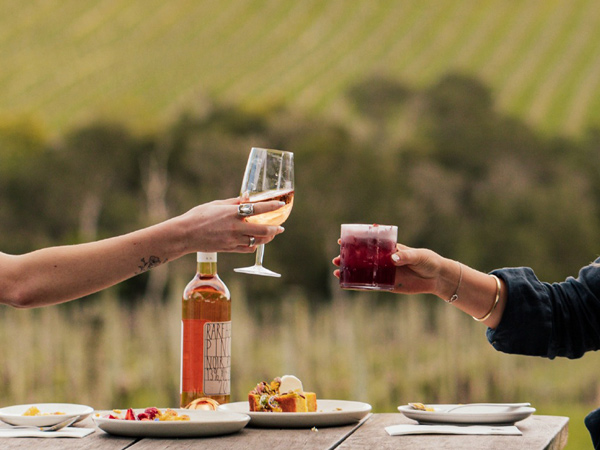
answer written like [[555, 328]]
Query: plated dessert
[[283, 403], [283, 394]]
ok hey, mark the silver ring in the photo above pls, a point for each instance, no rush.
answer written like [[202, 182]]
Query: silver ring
[[252, 241], [246, 209]]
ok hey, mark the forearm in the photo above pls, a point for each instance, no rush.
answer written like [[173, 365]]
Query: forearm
[[476, 293], [59, 274]]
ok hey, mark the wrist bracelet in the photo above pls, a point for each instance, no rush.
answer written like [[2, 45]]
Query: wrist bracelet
[[455, 295], [496, 300]]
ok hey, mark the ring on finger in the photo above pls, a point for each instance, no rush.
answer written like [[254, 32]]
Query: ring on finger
[[245, 209], [252, 241]]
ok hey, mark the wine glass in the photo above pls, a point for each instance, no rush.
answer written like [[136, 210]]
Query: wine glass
[[269, 176]]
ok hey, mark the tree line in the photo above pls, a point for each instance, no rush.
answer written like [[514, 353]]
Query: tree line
[[443, 163]]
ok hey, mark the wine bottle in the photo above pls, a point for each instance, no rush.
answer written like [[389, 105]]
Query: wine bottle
[[205, 335]]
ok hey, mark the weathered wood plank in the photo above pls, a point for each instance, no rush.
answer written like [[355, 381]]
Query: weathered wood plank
[[262, 438], [539, 433]]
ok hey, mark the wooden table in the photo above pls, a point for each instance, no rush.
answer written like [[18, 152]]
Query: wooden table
[[539, 432]]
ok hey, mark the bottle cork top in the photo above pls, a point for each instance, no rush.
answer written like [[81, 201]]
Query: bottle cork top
[[207, 257]]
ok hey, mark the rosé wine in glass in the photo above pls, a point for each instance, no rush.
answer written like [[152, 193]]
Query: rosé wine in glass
[[366, 257], [269, 175]]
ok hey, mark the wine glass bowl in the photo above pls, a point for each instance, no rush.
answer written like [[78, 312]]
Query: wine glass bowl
[[269, 175], [278, 216]]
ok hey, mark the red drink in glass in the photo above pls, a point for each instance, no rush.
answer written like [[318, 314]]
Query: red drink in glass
[[366, 257]]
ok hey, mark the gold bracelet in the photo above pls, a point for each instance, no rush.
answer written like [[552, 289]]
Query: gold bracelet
[[497, 299], [455, 295]]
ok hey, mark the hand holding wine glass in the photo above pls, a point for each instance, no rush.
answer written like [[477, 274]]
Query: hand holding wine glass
[[269, 176]]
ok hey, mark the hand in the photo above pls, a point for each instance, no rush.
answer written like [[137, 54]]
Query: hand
[[417, 270], [422, 271], [217, 227]]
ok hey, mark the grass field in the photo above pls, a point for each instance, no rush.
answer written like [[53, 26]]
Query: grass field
[[142, 60]]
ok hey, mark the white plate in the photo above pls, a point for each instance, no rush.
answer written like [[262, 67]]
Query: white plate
[[13, 415], [468, 415], [201, 423], [329, 413]]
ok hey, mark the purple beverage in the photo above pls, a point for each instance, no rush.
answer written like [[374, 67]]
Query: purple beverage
[[366, 256]]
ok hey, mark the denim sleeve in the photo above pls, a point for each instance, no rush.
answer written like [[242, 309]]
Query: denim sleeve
[[549, 320]]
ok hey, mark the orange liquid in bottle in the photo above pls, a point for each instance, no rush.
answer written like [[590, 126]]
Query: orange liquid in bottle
[[205, 336]]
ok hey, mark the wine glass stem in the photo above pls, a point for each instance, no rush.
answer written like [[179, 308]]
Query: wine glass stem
[[260, 252]]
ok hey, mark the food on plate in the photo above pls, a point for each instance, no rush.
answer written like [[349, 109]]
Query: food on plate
[[283, 394], [205, 403], [149, 415], [421, 407], [34, 411]]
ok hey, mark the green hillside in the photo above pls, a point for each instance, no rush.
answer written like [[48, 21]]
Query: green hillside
[[64, 60]]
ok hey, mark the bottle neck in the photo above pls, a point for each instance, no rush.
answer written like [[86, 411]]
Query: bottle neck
[[206, 269], [207, 264]]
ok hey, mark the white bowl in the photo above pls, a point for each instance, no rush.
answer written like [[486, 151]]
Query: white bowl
[[13, 415]]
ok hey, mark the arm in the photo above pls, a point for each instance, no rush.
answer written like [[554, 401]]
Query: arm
[[59, 274], [422, 271], [530, 318]]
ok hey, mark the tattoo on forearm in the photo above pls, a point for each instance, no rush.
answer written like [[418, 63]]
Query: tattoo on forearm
[[152, 262]]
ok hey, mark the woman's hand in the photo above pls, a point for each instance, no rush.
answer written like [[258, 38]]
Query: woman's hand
[[217, 227], [423, 271], [417, 270]]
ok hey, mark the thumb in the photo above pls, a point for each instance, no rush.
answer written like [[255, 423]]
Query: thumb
[[404, 256]]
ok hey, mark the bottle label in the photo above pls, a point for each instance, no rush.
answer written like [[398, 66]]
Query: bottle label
[[217, 358], [208, 369]]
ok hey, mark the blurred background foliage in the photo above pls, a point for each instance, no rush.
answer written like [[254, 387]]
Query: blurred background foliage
[[464, 179]]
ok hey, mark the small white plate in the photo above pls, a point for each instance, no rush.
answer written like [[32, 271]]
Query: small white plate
[[13, 415], [329, 413], [201, 424], [468, 415]]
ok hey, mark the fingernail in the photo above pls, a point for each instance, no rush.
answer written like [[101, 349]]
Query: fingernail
[[395, 257], [281, 203], [281, 229]]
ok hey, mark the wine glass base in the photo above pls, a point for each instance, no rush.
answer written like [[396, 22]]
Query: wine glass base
[[258, 270]]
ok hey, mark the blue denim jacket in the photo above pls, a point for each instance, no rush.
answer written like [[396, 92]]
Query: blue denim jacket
[[550, 320]]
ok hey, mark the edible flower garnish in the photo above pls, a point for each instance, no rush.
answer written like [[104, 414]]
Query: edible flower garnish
[[149, 415]]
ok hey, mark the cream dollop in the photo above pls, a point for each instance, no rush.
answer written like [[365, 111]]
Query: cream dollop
[[290, 383]]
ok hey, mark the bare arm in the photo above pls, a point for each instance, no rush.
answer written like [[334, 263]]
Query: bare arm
[[59, 274], [422, 271]]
